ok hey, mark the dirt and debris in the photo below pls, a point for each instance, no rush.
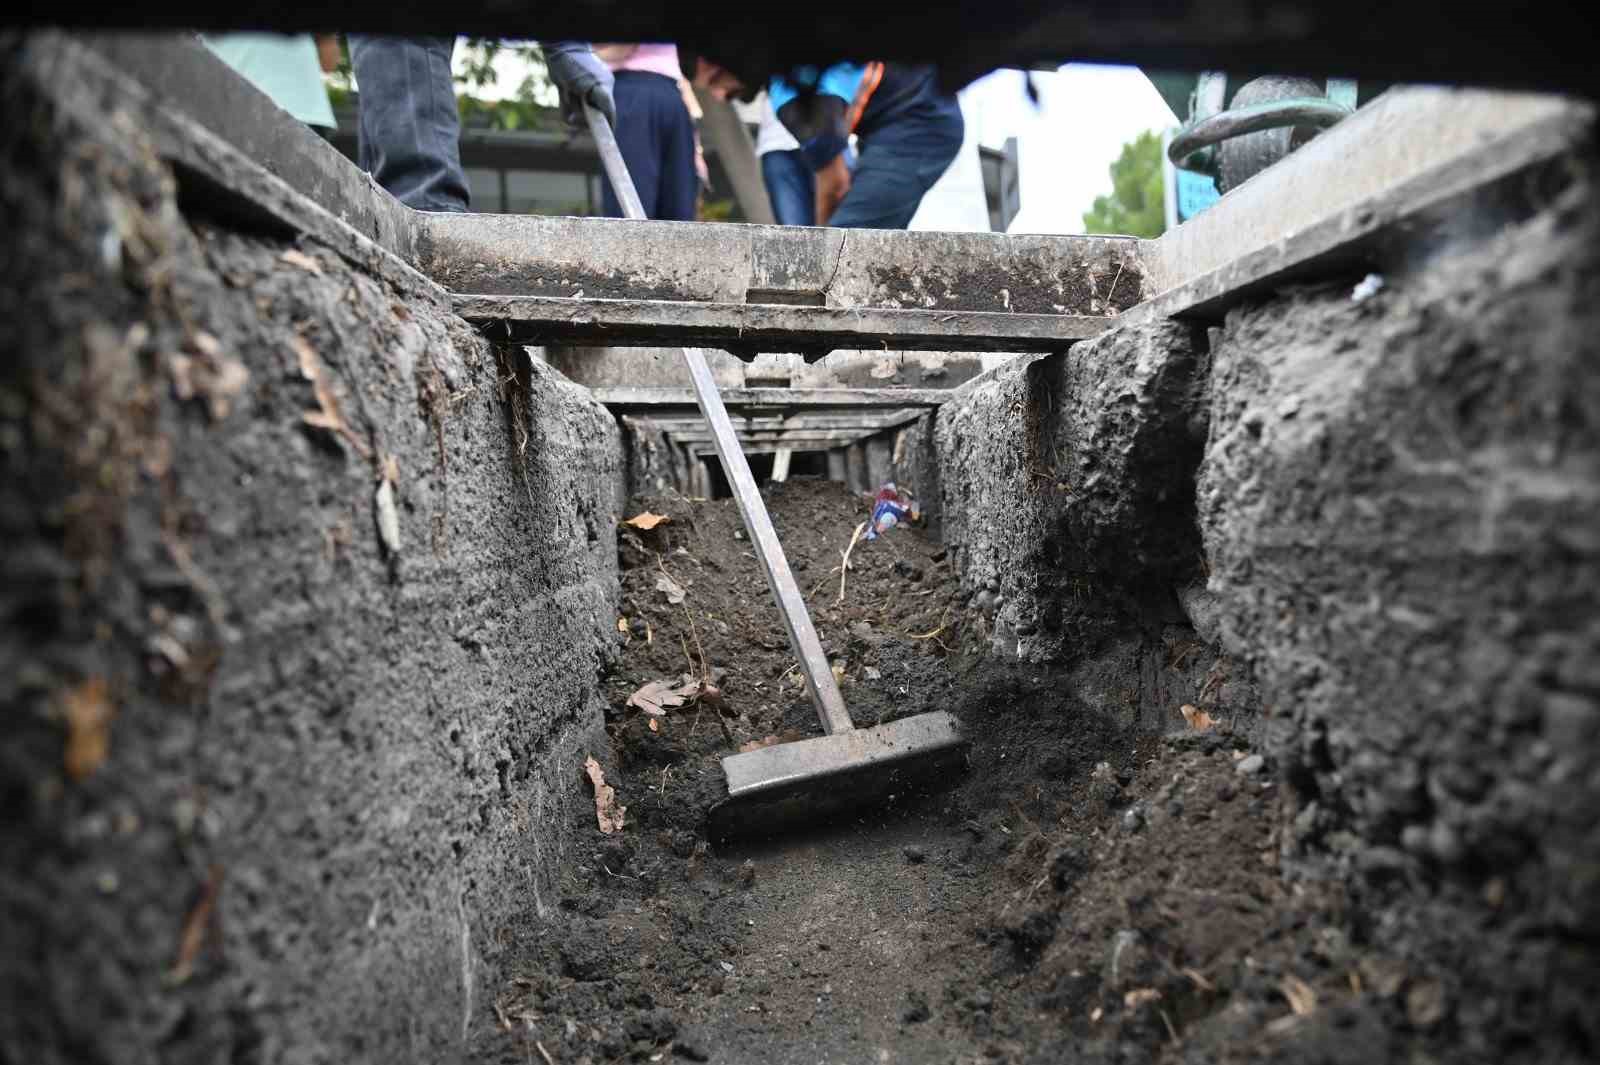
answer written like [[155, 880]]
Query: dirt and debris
[[1087, 892]]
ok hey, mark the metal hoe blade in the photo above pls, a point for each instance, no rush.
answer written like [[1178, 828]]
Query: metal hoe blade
[[812, 777]]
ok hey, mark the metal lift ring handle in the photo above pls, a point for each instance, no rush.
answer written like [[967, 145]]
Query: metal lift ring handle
[[1185, 149]]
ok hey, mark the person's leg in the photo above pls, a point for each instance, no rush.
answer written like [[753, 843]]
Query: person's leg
[[678, 193], [898, 166], [791, 187], [639, 140], [409, 129]]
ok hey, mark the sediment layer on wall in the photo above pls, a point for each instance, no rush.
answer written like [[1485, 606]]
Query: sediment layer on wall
[[306, 589], [1065, 491], [1375, 516], [1401, 506]]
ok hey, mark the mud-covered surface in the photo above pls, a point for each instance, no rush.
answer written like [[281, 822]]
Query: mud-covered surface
[[304, 589], [1104, 287], [520, 277], [1087, 891]]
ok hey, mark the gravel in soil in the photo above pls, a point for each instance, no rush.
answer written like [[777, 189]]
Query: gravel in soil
[[1085, 892]]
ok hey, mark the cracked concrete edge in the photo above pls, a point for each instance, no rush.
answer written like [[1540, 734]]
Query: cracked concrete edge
[[730, 263]]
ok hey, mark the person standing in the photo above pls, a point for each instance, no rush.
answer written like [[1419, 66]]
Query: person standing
[[908, 133], [655, 131], [791, 186], [410, 130], [287, 67]]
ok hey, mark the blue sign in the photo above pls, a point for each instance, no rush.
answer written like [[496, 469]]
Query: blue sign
[[1196, 192]]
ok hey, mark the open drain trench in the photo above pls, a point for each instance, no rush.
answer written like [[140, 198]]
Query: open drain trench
[[1265, 594]]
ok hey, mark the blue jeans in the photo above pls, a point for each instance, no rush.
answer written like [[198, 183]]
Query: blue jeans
[[409, 129], [901, 157], [791, 186], [656, 136]]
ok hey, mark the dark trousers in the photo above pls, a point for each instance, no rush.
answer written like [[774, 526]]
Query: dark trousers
[[409, 129], [656, 136], [901, 158], [791, 186]]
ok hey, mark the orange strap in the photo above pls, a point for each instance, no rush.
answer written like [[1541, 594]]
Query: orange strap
[[870, 81]]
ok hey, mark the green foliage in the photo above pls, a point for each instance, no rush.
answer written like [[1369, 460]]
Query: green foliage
[[534, 107], [1135, 207]]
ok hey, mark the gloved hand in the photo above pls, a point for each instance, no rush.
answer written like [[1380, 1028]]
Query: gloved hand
[[580, 77]]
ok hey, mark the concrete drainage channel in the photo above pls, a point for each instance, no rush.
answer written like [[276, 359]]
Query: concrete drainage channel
[[314, 578]]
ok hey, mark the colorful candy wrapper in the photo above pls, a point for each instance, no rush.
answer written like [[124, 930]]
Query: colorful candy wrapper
[[889, 509]]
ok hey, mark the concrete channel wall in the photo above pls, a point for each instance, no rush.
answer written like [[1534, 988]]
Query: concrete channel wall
[[1378, 515], [306, 590]]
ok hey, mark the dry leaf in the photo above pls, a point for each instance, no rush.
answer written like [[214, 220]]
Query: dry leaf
[[228, 378], [674, 590], [193, 936], [1302, 1000], [1198, 719], [607, 812], [88, 711], [181, 367], [658, 696], [1140, 996], [655, 726], [207, 375], [622, 624], [327, 415], [391, 469], [646, 521], [1425, 1004], [294, 257], [306, 355], [388, 517]]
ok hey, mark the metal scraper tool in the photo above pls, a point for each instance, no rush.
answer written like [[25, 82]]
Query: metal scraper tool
[[804, 781]]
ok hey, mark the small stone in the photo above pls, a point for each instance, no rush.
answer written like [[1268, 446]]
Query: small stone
[[690, 1050], [739, 534], [639, 626], [1414, 838], [1251, 764], [1133, 819], [1103, 784], [916, 1009], [1445, 843], [1425, 1004], [980, 1001], [1127, 958], [727, 966], [915, 855]]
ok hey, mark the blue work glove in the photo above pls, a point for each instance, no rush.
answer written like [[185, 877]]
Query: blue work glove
[[580, 77]]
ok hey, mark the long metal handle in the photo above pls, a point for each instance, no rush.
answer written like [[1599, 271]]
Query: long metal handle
[[802, 635], [780, 579]]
